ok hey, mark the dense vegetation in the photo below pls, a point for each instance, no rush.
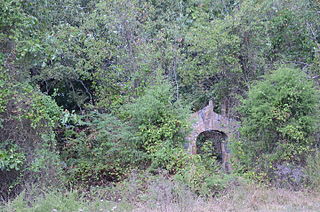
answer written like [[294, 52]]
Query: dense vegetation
[[95, 93]]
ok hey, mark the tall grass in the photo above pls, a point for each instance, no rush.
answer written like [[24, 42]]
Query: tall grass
[[162, 194], [312, 171]]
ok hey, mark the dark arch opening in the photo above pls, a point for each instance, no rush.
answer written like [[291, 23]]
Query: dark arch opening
[[211, 142]]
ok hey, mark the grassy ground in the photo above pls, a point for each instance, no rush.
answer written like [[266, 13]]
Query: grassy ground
[[249, 198], [254, 198], [246, 197]]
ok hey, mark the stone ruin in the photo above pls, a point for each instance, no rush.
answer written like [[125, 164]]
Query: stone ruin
[[206, 122]]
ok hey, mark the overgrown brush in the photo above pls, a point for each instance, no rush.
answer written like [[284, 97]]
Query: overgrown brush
[[312, 171], [160, 194]]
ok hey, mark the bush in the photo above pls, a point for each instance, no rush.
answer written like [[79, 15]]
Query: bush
[[279, 121], [28, 146], [99, 149], [203, 176], [161, 125]]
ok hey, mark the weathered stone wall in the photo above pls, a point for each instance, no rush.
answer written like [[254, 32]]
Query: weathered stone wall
[[207, 120]]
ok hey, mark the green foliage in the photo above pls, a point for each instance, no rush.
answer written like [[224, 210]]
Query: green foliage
[[42, 111], [289, 39], [279, 119], [28, 123], [208, 154], [211, 64], [202, 175], [4, 93], [169, 158], [57, 200], [19, 37], [51, 201], [98, 150], [242, 44], [10, 157], [161, 124], [242, 163], [85, 55]]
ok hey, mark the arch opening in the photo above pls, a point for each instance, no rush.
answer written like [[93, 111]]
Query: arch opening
[[212, 142]]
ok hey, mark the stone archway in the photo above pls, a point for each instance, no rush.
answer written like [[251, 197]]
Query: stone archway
[[207, 120]]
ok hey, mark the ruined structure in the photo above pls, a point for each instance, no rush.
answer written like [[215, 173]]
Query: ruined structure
[[208, 123]]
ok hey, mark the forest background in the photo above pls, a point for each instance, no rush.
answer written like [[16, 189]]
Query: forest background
[[96, 95]]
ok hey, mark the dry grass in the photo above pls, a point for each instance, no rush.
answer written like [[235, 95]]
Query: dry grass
[[164, 195], [254, 198], [245, 198]]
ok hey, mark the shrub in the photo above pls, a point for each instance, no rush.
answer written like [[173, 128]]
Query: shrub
[[203, 176], [99, 149], [161, 125], [27, 139], [279, 120]]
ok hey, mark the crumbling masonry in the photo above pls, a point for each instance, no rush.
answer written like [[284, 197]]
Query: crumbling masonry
[[206, 120]]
